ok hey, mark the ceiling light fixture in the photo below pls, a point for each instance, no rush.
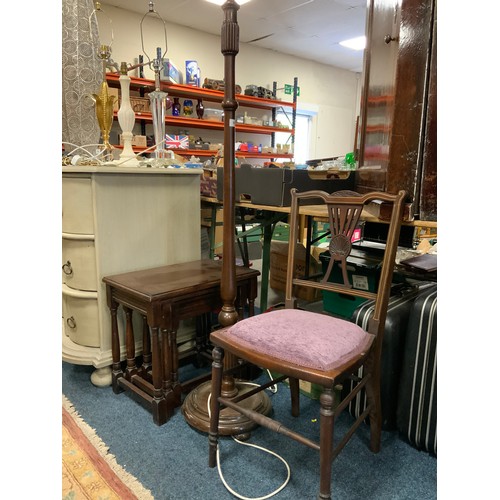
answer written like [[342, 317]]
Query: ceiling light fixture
[[220, 2], [357, 43]]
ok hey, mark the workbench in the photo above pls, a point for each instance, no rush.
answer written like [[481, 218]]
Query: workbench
[[268, 216]]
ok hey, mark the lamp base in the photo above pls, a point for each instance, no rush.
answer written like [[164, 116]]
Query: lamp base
[[231, 423]]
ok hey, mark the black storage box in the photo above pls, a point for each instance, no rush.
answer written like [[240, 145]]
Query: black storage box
[[363, 270], [271, 186]]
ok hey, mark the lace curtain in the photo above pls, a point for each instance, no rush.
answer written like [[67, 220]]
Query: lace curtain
[[82, 73]]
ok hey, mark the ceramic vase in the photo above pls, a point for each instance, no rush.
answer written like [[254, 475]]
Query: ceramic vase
[[176, 107], [200, 109], [126, 119], [188, 107]]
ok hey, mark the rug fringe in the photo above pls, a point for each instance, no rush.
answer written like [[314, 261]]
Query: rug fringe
[[130, 481]]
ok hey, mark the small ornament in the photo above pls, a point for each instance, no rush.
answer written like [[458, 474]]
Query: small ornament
[[200, 109], [188, 107], [176, 107]]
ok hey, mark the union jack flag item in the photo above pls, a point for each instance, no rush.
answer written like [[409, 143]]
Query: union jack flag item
[[176, 141]]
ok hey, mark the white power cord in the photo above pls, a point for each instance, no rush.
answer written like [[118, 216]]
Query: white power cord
[[259, 448], [95, 157], [273, 389]]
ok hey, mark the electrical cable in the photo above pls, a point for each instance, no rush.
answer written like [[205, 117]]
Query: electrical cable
[[95, 158], [259, 448], [273, 389]]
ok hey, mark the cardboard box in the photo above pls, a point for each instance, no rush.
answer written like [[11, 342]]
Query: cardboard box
[[170, 73], [206, 220], [193, 74], [271, 186], [279, 265], [137, 140], [208, 187], [115, 92]]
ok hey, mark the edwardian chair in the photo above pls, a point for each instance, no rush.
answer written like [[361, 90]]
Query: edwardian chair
[[315, 347]]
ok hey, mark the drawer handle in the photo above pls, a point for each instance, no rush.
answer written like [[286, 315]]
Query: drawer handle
[[67, 269], [71, 322]]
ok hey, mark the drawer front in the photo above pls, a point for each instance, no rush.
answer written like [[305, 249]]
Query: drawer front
[[79, 264], [81, 320], [77, 216]]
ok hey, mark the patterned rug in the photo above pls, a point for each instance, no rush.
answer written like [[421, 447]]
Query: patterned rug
[[88, 470]]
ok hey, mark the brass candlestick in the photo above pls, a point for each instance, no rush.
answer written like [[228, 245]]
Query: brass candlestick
[[104, 104]]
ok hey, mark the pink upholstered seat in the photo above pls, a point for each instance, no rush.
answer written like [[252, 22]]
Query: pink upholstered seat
[[304, 338]]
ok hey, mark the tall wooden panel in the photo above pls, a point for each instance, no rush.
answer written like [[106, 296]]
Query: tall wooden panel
[[398, 112], [428, 189]]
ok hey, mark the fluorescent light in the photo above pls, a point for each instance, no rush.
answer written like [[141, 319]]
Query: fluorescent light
[[357, 43], [220, 2]]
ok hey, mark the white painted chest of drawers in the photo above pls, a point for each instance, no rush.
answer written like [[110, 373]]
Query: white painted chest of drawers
[[117, 220]]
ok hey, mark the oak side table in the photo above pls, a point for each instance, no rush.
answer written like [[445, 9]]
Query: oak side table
[[164, 296]]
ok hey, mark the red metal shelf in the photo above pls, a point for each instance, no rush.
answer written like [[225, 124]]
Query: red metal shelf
[[183, 121], [210, 152], [188, 91]]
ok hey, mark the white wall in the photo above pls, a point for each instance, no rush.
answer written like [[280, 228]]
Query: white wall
[[331, 91]]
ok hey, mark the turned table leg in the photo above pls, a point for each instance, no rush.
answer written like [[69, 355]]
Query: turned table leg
[[130, 344], [146, 349], [159, 406], [174, 375], [115, 347]]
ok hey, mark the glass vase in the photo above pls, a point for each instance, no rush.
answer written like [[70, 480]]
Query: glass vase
[[158, 100]]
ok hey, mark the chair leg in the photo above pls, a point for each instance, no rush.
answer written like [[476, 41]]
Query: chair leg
[[326, 443], [213, 434], [294, 396], [373, 399]]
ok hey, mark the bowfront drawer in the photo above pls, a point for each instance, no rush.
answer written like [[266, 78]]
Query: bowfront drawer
[[78, 216], [79, 262], [80, 316]]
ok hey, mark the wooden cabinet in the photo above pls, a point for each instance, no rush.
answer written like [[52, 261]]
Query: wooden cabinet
[[398, 107], [214, 96], [117, 220]]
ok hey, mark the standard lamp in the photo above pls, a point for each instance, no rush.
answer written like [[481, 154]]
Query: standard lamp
[[195, 406], [104, 102], [158, 98]]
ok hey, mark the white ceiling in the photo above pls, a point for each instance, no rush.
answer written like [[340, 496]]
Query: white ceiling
[[311, 29]]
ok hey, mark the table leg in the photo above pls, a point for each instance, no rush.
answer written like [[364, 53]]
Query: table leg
[[146, 348], [251, 298], [211, 234], [130, 343], [243, 245], [159, 405], [203, 326], [266, 261], [174, 374], [169, 357], [115, 347]]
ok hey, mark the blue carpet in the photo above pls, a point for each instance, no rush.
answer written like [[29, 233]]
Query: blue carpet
[[172, 460]]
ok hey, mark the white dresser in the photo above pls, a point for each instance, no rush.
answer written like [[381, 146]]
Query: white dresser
[[116, 220]]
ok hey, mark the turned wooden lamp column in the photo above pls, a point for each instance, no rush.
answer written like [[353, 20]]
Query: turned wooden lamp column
[[195, 408]]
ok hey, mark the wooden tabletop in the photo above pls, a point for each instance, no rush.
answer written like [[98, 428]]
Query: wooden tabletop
[[317, 211], [161, 282]]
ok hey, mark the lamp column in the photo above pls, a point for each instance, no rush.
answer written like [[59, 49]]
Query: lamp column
[[126, 119], [195, 407]]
